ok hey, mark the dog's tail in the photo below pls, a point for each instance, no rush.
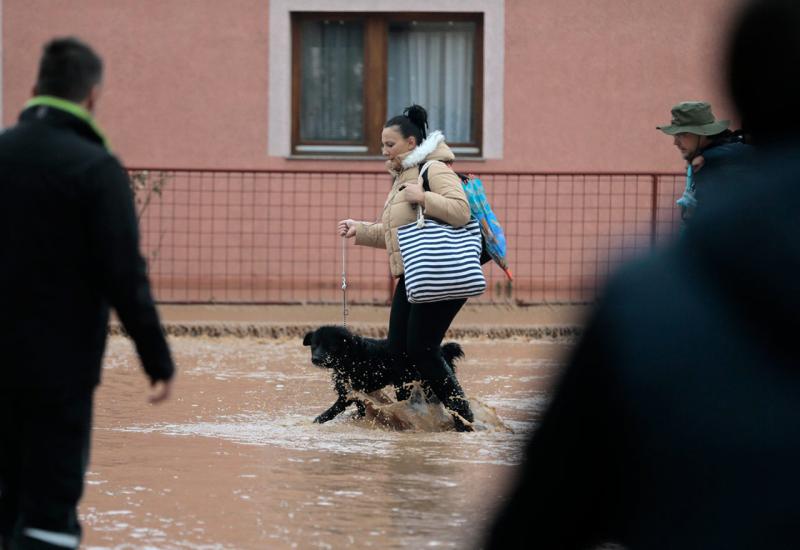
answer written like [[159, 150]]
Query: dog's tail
[[452, 351]]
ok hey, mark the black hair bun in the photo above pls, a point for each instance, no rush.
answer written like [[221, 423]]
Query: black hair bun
[[417, 115]]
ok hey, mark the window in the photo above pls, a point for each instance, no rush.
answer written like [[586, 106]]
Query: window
[[351, 72]]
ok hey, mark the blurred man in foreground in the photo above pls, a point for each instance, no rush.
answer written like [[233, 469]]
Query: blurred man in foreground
[[677, 422]]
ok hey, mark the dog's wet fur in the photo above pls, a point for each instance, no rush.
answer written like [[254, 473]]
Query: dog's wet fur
[[363, 365]]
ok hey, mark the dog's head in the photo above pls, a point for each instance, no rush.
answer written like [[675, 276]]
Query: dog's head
[[329, 345]]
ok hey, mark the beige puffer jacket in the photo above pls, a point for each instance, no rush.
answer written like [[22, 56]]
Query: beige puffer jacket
[[445, 201]]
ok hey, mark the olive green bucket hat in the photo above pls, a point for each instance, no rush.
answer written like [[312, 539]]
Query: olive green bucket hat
[[694, 117]]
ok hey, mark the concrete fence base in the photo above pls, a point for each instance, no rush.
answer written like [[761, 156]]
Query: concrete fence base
[[557, 333]]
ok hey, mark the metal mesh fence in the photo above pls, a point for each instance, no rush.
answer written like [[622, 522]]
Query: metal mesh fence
[[270, 236]]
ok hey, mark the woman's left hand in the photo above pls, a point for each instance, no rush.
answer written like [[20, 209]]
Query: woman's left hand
[[415, 194]]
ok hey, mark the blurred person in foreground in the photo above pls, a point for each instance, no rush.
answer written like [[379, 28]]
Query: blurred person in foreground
[[677, 421], [69, 248]]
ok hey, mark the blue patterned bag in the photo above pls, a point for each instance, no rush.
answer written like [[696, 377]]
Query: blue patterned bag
[[494, 239]]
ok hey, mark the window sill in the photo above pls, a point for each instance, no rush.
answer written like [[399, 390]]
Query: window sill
[[366, 158]]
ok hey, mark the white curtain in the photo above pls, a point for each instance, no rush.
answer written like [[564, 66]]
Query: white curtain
[[332, 102], [432, 64]]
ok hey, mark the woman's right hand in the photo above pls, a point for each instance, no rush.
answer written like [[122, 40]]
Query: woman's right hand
[[347, 228]]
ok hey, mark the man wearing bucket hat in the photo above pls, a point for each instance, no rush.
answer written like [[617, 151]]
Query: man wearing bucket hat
[[705, 144]]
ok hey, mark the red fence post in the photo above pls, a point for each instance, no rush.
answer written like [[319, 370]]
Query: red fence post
[[654, 211]]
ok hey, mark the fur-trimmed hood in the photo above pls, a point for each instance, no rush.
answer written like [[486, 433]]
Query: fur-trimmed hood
[[444, 199], [432, 148]]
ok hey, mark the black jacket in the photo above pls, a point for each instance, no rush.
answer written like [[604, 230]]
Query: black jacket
[[725, 161], [677, 422], [69, 248]]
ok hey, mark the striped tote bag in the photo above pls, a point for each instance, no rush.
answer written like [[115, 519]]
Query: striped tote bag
[[441, 262]]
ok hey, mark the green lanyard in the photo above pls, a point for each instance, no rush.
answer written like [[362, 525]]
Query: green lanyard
[[71, 108]]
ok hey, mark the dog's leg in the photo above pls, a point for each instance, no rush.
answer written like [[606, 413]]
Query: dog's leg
[[339, 406], [402, 393], [362, 409], [429, 393], [335, 410], [408, 375]]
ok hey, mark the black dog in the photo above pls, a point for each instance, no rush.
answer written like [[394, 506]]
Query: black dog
[[362, 364]]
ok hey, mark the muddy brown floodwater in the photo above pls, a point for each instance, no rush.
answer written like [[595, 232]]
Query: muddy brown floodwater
[[234, 461]]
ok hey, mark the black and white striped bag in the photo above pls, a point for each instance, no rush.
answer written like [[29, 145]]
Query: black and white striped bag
[[441, 262]]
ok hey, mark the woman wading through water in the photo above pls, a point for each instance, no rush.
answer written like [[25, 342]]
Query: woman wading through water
[[416, 330]]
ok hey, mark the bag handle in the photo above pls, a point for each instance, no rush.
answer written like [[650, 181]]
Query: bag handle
[[422, 174]]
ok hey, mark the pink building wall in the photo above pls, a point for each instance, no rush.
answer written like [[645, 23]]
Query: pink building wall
[[586, 81]]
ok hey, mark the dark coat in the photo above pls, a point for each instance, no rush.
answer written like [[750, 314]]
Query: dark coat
[[725, 160], [677, 421], [69, 249]]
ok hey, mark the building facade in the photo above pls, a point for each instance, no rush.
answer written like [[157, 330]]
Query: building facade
[[266, 117], [529, 85]]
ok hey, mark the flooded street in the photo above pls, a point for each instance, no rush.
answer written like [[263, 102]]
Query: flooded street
[[234, 461]]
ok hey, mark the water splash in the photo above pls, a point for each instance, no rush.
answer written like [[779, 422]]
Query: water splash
[[420, 414]]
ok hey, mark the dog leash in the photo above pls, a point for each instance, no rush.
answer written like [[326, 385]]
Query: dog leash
[[344, 282]]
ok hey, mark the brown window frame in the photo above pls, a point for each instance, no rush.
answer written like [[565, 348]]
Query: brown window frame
[[376, 55]]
